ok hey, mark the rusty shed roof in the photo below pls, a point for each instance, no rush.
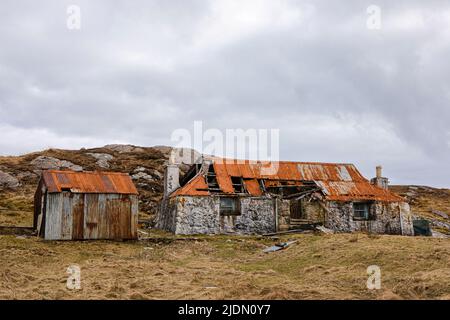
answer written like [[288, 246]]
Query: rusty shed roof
[[338, 181], [88, 182]]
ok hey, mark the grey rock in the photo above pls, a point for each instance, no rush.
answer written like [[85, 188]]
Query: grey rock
[[26, 175], [441, 214], [158, 174], [50, 163], [102, 159], [123, 148], [147, 174], [142, 175], [8, 181]]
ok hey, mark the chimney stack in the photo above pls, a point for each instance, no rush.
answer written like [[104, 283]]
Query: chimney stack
[[171, 176], [379, 180], [379, 172]]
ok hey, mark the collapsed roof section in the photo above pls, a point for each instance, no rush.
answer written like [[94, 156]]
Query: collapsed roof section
[[336, 182]]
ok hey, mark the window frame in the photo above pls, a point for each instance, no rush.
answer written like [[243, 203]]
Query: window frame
[[235, 209], [367, 207]]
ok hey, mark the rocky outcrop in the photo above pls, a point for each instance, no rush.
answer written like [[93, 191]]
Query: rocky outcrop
[[150, 175], [142, 175], [102, 159], [26, 175], [123, 148], [50, 163], [8, 181]]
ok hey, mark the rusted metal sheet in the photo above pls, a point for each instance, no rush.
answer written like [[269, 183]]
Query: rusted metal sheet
[[197, 186], [223, 177], [53, 217], [88, 182], [349, 191], [338, 181], [253, 187], [66, 216], [78, 217], [92, 215], [82, 206]]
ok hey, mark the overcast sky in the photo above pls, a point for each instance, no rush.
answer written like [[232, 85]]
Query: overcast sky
[[138, 70]]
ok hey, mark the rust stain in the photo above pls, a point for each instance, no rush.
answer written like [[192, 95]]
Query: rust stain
[[196, 187], [89, 182], [338, 181]]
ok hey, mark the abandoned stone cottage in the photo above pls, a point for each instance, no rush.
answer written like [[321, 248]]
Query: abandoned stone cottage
[[228, 196]]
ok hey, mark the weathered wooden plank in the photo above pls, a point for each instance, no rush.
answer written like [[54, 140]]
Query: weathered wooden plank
[[134, 216], [103, 231], [66, 216], [124, 206], [113, 213], [91, 214], [78, 217], [53, 216]]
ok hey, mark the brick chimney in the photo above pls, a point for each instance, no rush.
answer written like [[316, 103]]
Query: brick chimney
[[379, 180]]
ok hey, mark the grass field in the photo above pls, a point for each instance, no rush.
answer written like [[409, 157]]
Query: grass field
[[227, 267]]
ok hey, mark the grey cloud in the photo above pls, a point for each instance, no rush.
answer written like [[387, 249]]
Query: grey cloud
[[138, 70]]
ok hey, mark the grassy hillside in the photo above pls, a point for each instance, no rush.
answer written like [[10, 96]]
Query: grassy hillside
[[166, 266], [428, 203]]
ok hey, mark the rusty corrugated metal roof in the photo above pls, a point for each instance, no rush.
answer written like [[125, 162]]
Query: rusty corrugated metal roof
[[338, 181], [88, 182], [196, 187]]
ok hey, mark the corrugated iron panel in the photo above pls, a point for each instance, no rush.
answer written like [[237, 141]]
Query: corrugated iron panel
[[347, 191], [196, 187], [89, 182], [223, 177], [253, 187], [339, 182]]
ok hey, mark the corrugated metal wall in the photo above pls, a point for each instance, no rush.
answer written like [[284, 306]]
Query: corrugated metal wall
[[77, 216]]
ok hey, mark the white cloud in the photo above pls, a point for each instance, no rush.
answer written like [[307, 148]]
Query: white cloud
[[19, 141]]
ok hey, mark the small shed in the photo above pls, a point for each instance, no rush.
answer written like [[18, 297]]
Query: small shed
[[72, 205]]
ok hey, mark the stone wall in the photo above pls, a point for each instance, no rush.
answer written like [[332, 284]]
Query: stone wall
[[165, 219], [257, 217], [201, 215], [197, 215], [406, 219], [384, 218], [313, 211]]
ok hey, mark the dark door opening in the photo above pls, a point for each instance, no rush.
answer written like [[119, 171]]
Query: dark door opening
[[296, 209]]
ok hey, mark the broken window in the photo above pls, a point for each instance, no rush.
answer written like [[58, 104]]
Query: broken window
[[361, 210], [211, 180], [262, 185], [191, 173], [229, 206], [238, 184]]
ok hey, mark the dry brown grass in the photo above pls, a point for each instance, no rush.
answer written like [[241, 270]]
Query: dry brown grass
[[167, 267], [424, 200], [316, 267]]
